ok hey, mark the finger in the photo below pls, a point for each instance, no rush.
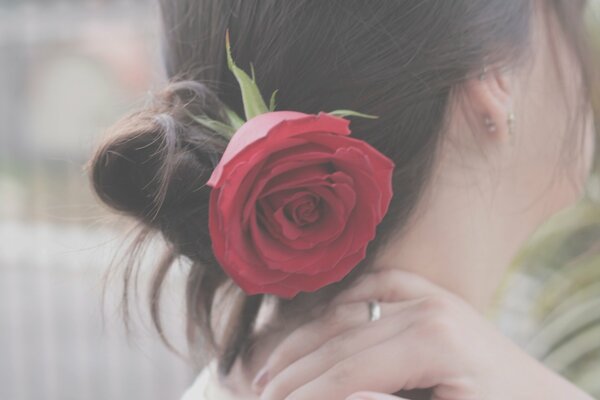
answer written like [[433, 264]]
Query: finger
[[373, 396], [402, 362], [335, 350], [308, 338], [391, 285]]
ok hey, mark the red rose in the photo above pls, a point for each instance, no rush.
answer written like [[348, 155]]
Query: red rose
[[295, 202]]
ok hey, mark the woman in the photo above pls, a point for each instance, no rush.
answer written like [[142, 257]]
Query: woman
[[482, 106]]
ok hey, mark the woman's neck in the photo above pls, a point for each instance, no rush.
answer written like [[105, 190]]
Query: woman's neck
[[462, 241]]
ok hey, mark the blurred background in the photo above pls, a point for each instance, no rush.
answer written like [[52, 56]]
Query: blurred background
[[68, 70]]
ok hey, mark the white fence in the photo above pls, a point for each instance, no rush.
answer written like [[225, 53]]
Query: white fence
[[53, 344]]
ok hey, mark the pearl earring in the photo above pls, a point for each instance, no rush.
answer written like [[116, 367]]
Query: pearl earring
[[510, 122], [483, 73], [490, 124]]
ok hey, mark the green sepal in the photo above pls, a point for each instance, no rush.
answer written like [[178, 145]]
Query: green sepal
[[272, 102], [253, 102], [221, 128], [235, 120], [345, 113]]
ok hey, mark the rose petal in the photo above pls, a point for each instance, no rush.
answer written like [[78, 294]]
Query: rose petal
[[274, 127], [288, 172], [230, 260], [338, 200], [295, 283]]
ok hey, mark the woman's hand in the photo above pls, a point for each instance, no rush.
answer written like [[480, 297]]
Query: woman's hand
[[427, 337]]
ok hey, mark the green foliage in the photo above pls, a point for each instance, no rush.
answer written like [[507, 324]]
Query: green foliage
[[559, 296], [346, 113], [252, 99], [253, 102]]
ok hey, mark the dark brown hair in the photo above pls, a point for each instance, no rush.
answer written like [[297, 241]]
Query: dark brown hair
[[400, 60]]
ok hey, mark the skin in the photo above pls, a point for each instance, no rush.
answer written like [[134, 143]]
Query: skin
[[439, 277]]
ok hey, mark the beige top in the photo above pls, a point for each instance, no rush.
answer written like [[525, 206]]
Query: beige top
[[207, 387]]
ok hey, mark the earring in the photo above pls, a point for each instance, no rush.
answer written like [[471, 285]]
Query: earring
[[490, 124], [483, 72], [510, 123]]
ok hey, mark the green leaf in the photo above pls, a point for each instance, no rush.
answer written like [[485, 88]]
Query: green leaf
[[217, 126], [344, 113], [253, 102], [272, 102], [235, 120]]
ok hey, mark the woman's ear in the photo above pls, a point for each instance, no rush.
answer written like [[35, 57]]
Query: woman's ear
[[490, 96]]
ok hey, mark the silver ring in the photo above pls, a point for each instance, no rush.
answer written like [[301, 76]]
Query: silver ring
[[374, 310]]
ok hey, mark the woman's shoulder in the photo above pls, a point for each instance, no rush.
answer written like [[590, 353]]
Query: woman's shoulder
[[207, 386], [199, 388]]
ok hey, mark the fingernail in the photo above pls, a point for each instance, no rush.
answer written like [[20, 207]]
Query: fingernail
[[259, 382]]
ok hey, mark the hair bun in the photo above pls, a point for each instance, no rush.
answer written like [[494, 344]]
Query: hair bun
[[157, 160]]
